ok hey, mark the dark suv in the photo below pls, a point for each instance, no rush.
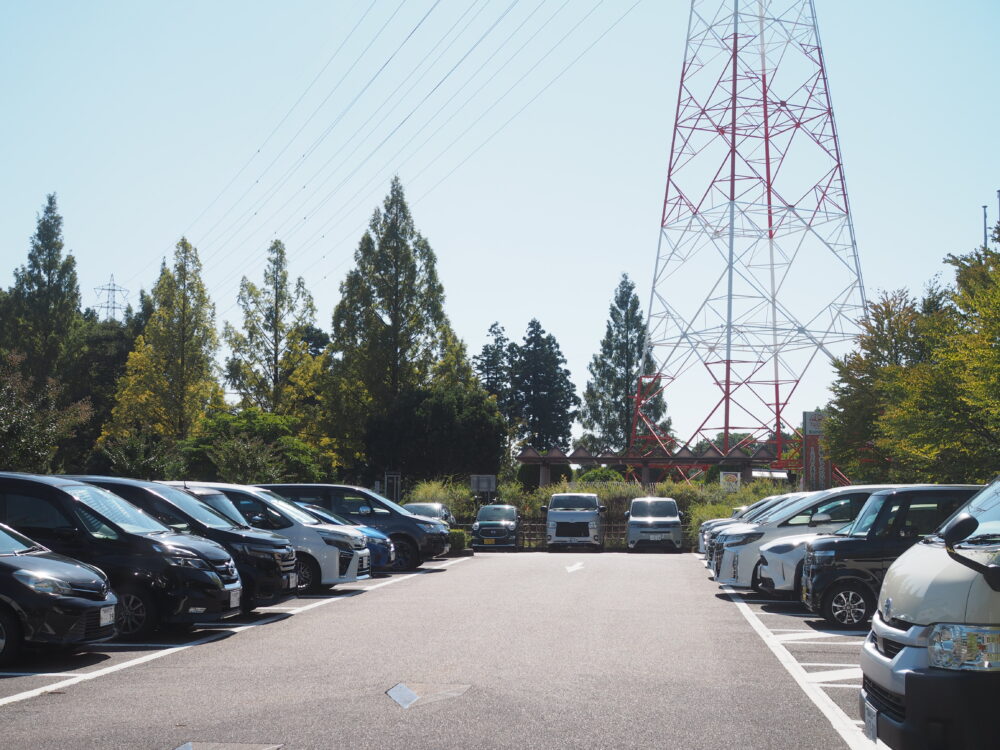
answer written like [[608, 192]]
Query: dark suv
[[158, 575], [416, 538], [265, 560], [843, 573]]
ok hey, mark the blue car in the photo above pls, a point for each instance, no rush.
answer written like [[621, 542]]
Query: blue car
[[382, 550]]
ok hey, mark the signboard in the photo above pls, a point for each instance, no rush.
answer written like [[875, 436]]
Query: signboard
[[730, 480], [483, 482], [817, 469]]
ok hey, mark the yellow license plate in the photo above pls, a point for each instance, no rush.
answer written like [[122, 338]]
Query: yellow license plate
[[488, 541]]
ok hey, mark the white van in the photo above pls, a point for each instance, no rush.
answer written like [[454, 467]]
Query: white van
[[326, 555], [574, 519], [931, 663]]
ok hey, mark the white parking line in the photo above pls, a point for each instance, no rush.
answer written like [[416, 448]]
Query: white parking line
[[853, 644], [844, 725], [165, 648], [802, 635], [835, 675], [37, 674]]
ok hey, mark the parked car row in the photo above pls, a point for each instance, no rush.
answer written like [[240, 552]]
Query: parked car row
[[919, 562], [86, 558]]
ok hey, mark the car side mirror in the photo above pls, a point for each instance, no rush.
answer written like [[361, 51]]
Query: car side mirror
[[627, 514], [257, 520], [961, 527], [544, 509], [602, 509], [819, 518], [365, 510]]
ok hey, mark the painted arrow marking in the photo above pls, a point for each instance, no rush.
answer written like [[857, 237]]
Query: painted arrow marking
[[573, 568]]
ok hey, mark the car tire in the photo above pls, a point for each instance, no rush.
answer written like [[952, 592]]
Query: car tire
[[848, 604], [135, 615], [308, 573], [797, 588], [10, 636], [755, 578], [407, 555]]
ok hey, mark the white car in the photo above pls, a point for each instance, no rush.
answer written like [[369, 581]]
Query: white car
[[738, 514], [781, 562], [713, 551], [326, 554], [820, 512], [654, 522]]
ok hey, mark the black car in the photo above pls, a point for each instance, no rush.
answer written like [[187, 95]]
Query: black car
[[842, 573], [159, 576], [416, 538], [265, 560], [496, 527], [46, 598]]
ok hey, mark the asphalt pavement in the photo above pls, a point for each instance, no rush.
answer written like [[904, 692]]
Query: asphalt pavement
[[501, 650]]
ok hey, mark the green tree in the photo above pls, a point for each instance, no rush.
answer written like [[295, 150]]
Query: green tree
[[625, 354], [493, 367], [272, 344], [389, 326], [169, 382], [33, 420], [44, 303], [543, 393]]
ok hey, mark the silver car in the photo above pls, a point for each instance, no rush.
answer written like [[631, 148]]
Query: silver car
[[654, 522]]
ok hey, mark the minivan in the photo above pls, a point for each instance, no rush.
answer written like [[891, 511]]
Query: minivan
[[931, 663], [416, 538], [158, 575], [265, 560]]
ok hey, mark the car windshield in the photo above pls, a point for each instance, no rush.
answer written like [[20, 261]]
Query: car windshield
[[321, 514], [195, 508], [12, 543], [496, 513], [389, 503], [792, 506], [985, 508], [286, 506], [113, 509], [223, 505], [573, 502], [866, 518], [764, 508], [654, 508]]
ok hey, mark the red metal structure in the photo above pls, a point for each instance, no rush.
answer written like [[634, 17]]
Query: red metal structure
[[757, 271]]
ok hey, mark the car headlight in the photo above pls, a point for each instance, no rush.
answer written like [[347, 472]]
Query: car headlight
[[966, 647], [592, 524], [823, 557], [740, 539], [43, 584], [433, 528], [475, 526], [338, 542], [182, 558], [780, 549], [266, 553]]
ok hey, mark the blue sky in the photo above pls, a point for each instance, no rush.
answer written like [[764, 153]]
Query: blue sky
[[141, 117]]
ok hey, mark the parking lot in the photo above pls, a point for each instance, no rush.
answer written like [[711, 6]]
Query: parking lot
[[500, 650]]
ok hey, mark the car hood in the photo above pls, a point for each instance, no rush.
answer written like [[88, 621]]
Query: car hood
[[351, 531], [796, 540], [738, 528], [371, 533], [55, 566], [211, 551], [260, 535]]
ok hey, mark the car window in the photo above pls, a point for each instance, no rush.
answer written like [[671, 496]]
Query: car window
[[927, 511], [349, 503], [94, 524], [841, 509], [258, 513], [115, 510], [888, 518], [573, 502], [24, 511]]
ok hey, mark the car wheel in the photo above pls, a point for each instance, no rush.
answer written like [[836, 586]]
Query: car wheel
[[755, 578], [308, 573], [10, 636], [136, 613], [797, 590], [849, 603], [407, 555]]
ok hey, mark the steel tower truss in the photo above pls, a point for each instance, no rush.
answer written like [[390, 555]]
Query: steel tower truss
[[757, 270]]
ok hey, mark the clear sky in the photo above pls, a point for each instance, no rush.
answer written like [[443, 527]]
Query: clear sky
[[237, 122]]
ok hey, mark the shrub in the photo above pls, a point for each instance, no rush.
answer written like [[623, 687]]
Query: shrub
[[458, 539], [601, 474]]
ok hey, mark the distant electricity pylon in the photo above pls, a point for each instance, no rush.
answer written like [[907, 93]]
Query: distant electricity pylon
[[110, 294], [757, 271]]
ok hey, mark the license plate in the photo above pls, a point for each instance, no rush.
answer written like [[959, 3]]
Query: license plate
[[234, 598], [871, 722], [656, 537], [291, 580], [489, 541], [107, 616]]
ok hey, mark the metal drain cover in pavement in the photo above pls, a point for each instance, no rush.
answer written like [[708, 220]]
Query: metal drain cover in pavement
[[225, 746], [407, 695]]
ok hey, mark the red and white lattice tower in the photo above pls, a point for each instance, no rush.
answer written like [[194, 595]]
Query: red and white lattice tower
[[757, 272]]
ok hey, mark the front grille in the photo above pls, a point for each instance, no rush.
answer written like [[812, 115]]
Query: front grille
[[889, 648], [500, 532], [345, 562], [286, 561], [227, 572], [88, 628], [666, 525], [572, 528], [96, 595], [886, 701]]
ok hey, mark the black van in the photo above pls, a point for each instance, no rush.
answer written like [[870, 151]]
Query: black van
[[46, 598], [416, 538], [158, 575], [265, 560], [842, 573]]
